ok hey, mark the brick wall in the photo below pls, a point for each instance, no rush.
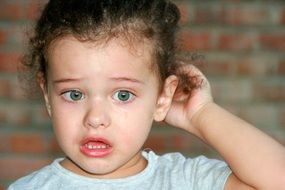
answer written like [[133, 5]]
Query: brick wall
[[242, 45]]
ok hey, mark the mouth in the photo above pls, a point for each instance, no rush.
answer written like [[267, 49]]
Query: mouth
[[96, 147]]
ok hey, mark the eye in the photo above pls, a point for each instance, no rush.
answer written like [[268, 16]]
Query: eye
[[123, 96], [73, 95]]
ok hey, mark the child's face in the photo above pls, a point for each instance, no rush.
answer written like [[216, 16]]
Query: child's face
[[103, 100]]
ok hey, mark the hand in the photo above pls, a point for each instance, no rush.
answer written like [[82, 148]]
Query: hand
[[184, 107]]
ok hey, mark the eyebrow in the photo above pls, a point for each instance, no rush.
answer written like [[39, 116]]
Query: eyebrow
[[66, 80], [127, 79], [119, 79]]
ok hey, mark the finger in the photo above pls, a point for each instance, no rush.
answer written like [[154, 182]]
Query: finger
[[193, 71]]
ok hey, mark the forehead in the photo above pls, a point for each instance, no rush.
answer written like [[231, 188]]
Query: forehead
[[139, 47], [115, 54]]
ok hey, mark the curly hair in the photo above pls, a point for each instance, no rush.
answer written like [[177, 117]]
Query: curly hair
[[99, 20]]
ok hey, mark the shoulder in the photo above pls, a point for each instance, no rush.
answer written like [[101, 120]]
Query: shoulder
[[167, 161], [34, 180], [198, 173], [177, 159]]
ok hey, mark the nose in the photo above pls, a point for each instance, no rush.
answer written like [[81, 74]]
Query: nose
[[97, 115]]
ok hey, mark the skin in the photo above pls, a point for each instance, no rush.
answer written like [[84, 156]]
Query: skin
[[257, 160], [93, 69], [99, 73]]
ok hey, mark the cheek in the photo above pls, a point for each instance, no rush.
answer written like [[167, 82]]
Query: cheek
[[135, 138], [64, 129], [65, 121], [135, 126], [67, 134]]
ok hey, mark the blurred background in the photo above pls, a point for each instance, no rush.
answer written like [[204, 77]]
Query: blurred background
[[241, 48]]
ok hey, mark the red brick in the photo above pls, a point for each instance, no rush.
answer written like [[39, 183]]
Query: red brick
[[231, 90], [13, 36], [256, 66], [33, 9], [282, 118], [283, 17], [232, 108], [16, 114], [186, 143], [236, 41], [234, 14], [281, 67], [178, 142], [5, 88], [199, 40], [3, 143], [260, 115], [20, 116], [10, 10], [15, 167], [22, 119], [184, 11], [41, 115], [246, 15], [9, 61], [217, 67], [17, 91], [3, 115], [156, 143], [54, 147], [273, 41], [27, 143], [205, 15], [3, 36], [270, 91]]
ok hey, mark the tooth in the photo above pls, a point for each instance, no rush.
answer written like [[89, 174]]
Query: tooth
[[91, 147]]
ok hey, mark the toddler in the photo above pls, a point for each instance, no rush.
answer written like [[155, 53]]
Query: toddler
[[107, 70]]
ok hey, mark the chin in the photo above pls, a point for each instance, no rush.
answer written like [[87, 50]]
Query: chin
[[98, 170]]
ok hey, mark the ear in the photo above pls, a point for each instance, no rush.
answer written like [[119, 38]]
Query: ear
[[165, 98], [43, 85]]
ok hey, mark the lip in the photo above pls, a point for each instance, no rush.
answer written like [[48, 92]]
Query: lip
[[95, 147]]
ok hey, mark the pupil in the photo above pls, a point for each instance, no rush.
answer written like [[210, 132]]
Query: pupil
[[75, 95], [124, 95]]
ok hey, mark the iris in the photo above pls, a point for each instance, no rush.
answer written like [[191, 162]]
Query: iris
[[75, 95], [123, 95]]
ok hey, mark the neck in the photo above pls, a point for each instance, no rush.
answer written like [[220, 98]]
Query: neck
[[134, 166]]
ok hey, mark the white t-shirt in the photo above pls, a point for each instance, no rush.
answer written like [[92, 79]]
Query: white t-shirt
[[169, 171]]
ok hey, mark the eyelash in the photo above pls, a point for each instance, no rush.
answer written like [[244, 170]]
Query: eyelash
[[67, 96], [130, 95]]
